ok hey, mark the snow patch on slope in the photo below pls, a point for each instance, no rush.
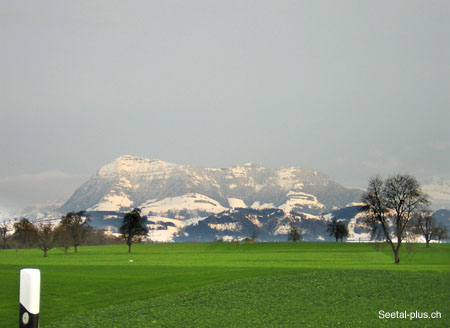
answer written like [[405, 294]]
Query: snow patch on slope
[[162, 229], [300, 200], [354, 223], [112, 202], [287, 178], [162, 236], [236, 202], [231, 226], [258, 206], [190, 201]]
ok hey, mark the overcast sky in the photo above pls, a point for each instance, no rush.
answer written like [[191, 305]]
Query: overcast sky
[[350, 88]]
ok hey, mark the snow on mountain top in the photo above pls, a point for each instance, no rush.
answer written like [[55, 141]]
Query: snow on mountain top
[[135, 180], [134, 165]]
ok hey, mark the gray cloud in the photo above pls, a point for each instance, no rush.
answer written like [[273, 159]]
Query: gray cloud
[[288, 83], [30, 189]]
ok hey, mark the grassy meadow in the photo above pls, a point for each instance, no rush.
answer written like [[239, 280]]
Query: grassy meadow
[[230, 285]]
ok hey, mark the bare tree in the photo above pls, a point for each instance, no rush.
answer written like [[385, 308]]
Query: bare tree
[[4, 229], [390, 206], [45, 237], [78, 225], [133, 227], [255, 234], [63, 237], [441, 232], [337, 229], [294, 234], [425, 225], [342, 231]]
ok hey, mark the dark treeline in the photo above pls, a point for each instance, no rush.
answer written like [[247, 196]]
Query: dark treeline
[[72, 230]]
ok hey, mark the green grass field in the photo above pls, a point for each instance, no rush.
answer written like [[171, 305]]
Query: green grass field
[[229, 285]]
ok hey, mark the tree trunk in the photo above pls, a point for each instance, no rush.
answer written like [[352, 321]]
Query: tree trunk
[[428, 242], [45, 252], [129, 248], [65, 250], [397, 259], [76, 248]]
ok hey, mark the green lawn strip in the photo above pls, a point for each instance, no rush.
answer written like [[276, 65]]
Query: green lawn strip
[[82, 288], [311, 298], [97, 277]]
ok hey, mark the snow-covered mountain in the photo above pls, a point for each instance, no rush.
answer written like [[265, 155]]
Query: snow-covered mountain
[[139, 182], [203, 204], [176, 198]]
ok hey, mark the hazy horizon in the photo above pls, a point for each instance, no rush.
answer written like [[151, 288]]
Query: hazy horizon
[[350, 88]]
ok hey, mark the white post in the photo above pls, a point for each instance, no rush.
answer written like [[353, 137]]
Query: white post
[[29, 297]]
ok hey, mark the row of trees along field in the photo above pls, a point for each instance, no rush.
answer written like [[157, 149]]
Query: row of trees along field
[[336, 229], [73, 230]]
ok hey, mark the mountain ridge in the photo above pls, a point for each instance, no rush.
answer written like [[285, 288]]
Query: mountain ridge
[[131, 181]]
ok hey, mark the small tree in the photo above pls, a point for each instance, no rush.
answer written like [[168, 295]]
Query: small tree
[[342, 231], [63, 237], [425, 225], [390, 205], [45, 237], [133, 227], [96, 237], [25, 233], [332, 229], [4, 228], [441, 232], [255, 234], [337, 229], [294, 234], [78, 225]]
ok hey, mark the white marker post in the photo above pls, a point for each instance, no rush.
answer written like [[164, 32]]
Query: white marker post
[[29, 297]]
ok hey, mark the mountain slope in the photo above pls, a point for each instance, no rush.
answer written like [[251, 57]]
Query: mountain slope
[[186, 203], [131, 181]]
